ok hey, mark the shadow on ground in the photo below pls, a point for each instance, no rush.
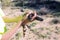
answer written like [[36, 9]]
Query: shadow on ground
[[52, 6]]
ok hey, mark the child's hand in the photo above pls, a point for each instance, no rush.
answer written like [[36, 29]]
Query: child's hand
[[28, 18], [31, 15]]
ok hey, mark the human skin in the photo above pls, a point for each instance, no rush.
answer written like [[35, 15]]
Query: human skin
[[10, 33]]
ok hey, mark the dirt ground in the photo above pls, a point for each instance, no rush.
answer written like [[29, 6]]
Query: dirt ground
[[38, 30]]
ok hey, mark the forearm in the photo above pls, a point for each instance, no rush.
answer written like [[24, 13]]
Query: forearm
[[10, 33]]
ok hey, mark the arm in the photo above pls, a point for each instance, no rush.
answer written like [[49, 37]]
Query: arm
[[11, 32], [8, 34]]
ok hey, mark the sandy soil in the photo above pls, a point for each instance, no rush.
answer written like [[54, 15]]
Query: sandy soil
[[39, 31]]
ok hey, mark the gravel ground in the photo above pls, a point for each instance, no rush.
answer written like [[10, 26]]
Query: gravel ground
[[37, 31]]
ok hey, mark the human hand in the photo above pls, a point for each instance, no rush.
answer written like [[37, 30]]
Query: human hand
[[31, 15]]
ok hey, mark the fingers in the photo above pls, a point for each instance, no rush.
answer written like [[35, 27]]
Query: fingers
[[28, 13], [31, 12], [34, 15]]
